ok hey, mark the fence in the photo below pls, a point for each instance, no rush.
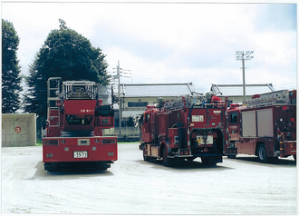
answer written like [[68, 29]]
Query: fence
[[126, 132], [130, 132]]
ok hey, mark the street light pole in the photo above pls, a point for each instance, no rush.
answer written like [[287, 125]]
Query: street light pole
[[243, 69], [241, 55]]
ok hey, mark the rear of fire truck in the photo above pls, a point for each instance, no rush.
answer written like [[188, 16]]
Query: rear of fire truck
[[184, 128], [206, 133], [78, 112]]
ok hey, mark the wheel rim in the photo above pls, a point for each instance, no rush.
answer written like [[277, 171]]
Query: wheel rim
[[262, 153]]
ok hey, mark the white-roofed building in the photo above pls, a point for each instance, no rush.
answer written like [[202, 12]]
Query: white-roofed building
[[156, 90], [135, 98], [235, 91]]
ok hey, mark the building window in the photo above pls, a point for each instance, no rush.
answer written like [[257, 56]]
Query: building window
[[137, 104]]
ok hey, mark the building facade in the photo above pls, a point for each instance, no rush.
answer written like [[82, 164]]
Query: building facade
[[135, 97], [235, 91]]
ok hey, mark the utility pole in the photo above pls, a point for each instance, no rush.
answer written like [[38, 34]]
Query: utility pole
[[120, 73], [241, 55], [119, 100]]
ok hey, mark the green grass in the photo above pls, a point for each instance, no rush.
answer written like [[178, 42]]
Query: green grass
[[39, 142]]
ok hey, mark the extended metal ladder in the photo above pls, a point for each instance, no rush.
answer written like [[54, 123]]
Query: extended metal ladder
[[53, 94], [276, 97]]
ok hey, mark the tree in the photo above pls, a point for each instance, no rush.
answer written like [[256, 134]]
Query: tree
[[62, 25], [11, 79], [65, 54]]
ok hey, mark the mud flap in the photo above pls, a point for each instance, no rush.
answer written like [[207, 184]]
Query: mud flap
[[211, 160]]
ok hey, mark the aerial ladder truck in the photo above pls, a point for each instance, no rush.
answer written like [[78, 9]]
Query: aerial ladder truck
[[78, 112]]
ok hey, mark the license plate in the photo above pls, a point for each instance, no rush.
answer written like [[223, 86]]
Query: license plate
[[80, 154], [197, 118]]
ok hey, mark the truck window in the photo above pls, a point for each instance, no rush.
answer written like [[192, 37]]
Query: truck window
[[147, 118], [233, 118]]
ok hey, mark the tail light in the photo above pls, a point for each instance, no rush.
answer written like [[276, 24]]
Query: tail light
[[184, 152]]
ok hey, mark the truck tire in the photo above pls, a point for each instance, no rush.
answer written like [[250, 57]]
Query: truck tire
[[208, 161], [166, 161], [190, 159], [262, 154], [178, 162], [145, 158], [102, 166], [231, 156], [50, 167]]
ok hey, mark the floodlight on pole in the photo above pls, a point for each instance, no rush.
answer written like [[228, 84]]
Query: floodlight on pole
[[241, 55]]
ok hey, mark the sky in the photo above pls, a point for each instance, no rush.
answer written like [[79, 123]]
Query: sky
[[172, 42]]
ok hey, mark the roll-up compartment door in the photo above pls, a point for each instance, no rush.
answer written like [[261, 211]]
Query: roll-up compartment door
[[249, 124], [265, 123]]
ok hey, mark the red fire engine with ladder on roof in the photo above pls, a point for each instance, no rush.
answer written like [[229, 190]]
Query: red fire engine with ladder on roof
[[264, 126], [185, 128], [78, 111]]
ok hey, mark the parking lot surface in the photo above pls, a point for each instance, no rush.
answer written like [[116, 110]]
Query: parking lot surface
[[133, 186]]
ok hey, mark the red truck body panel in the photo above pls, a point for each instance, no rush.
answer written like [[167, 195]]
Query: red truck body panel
[[268, 126], [61, 149]]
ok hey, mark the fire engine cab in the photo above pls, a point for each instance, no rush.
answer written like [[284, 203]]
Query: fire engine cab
[[264, 126]]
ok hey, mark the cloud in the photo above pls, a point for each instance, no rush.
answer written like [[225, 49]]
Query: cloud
[[171, 42]]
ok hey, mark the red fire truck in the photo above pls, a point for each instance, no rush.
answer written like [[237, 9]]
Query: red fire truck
[[264, 126], [78, 111], [186, 128]]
